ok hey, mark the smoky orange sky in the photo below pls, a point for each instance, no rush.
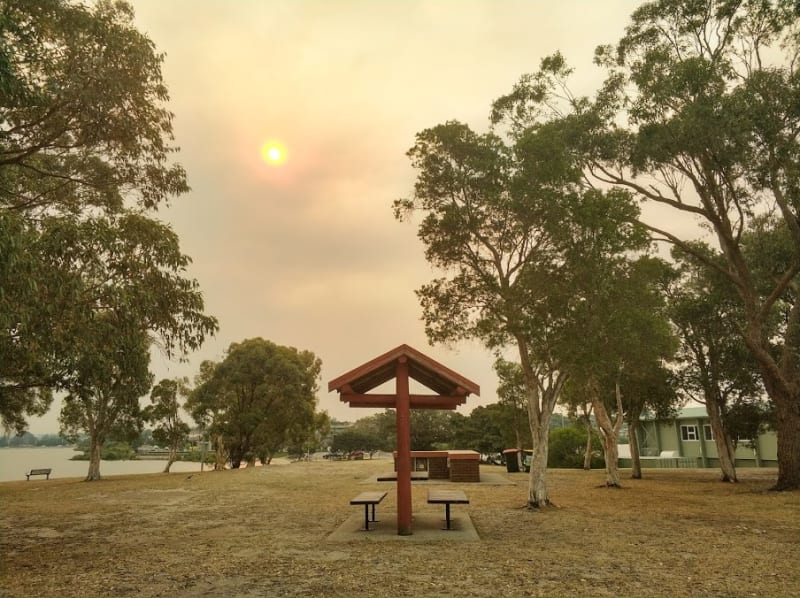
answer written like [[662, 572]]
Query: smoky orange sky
[[308, 254]]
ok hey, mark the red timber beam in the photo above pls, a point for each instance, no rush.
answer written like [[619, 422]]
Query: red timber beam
[[390, 401]]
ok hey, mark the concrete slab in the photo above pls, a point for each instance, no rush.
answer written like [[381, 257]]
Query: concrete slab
[[427, 528]]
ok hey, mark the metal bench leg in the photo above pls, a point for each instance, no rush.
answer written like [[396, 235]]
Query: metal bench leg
[[447, 516], [373, 514], [366, 518]]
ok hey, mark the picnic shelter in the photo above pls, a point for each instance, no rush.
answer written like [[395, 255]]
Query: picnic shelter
[[403, 363]]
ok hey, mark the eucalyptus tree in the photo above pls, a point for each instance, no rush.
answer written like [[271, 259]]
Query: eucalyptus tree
[[107, 378], [354, 439], [620, 333], [649, 387], [492, 242], [714, 363], [85, 162], [698, 115], [484, 430], [498, 220], [164, 412], [710, 91], [207, 404], [258, 399]]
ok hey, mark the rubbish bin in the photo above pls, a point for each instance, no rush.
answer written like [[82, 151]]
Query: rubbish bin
[[512, 461]]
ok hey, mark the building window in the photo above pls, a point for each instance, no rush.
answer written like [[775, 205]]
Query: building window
[[689, 433], [708, 433]]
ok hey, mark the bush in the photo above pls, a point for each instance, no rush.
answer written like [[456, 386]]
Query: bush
[[567, 447], [113, 451]]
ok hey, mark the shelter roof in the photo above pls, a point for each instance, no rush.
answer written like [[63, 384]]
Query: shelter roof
[[423, 369]]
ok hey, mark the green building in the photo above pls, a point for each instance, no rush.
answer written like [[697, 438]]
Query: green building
[[688, 441]]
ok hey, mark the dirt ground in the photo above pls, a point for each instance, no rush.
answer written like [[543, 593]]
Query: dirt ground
[[265, 532]]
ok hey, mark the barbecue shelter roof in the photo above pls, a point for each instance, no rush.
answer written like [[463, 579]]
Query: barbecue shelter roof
[[451, 388]]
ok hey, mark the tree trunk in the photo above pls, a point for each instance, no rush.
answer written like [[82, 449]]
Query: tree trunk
[[633, 443], [782, 382], [608, 433], [220, 455], [173, 453], [95, 446], [542, 396], [587, 453], [610, 452], [537, 482], [722, 439], [788, 428]]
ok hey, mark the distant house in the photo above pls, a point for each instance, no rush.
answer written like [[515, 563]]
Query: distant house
[[688, 441]]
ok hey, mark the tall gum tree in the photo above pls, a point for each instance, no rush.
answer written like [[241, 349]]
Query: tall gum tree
[[699, 115], [498, 220], [714, 366], [130, 294], [710, 91], [164, 412], [481, 231], [85, 163]]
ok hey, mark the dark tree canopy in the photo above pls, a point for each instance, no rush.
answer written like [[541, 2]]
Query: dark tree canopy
[[259, 399]]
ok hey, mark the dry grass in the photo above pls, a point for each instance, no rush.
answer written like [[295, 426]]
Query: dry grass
[[262, 532]]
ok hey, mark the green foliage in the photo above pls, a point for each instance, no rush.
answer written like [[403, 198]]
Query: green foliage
[[164, 413], [747, 419], [358, 440], [715, 364], [24, 439], [568, 446], [89, 278], [112, 451], [259, 399], [110, 373], [710, 91], [380, 426], [512, 397], [488, 430], [50, 440]]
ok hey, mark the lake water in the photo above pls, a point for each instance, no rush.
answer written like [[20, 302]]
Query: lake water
[[16, 462]]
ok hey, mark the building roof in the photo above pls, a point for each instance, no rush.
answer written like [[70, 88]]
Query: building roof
[[691, 412]]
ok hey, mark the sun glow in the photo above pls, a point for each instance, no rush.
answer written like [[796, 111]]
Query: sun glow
[[273, 153]]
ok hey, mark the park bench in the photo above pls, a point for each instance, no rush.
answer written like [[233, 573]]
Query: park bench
[[368, 499], [38, 472], [447, 498]]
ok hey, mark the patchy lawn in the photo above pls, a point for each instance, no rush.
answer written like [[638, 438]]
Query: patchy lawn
[[262, 532]]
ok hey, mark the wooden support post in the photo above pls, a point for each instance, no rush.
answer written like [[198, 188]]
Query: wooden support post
[[403, 450]]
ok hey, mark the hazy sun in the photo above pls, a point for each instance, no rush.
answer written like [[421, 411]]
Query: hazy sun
[[273, 152]]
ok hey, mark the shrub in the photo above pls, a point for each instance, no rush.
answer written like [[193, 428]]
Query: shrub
[[567, 447]]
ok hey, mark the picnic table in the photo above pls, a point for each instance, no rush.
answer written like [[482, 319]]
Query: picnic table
[[447, 498]]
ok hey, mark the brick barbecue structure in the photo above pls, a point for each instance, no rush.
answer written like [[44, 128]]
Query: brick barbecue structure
[[456, 466], [404, 363]]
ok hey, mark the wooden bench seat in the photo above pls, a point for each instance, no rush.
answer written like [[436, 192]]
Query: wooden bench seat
[[447, 498], [368, 499], [46, 472]]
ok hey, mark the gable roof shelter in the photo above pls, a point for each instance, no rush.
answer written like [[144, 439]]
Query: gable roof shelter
[[403, 363]]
